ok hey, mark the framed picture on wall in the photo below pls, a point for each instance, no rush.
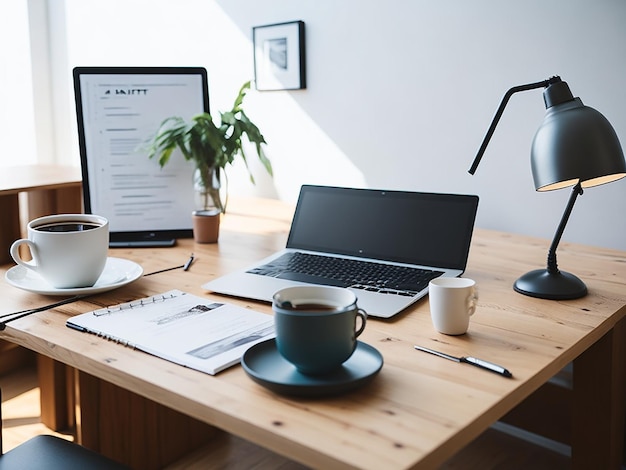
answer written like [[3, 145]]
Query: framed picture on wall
[[279, 56]]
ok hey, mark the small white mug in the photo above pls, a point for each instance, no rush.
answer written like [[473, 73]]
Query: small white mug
[[68, 250], [452, 302]]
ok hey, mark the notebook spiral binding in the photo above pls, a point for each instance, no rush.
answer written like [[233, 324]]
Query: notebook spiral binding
[[131, 305], [115, 340]]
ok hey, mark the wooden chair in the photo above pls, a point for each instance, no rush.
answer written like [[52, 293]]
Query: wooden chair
[[53, 453]]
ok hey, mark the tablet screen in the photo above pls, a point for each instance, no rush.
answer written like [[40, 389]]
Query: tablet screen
[[118, 110]]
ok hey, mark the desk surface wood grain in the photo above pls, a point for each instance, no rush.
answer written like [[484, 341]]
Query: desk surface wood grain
[[418, 411]]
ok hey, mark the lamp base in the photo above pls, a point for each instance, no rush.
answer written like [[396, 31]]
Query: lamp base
[[542, 284]]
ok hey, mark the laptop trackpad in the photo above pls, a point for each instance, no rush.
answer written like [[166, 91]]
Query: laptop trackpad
[[310, 279]]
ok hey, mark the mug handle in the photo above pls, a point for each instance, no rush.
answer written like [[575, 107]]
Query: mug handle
[[15, 253], [471, 301], [363, 314]]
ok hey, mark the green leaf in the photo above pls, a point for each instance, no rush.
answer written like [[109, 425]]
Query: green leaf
[[202, 141], [240, 97]]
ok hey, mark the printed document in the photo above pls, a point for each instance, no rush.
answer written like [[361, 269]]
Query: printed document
[[120, 113], [182, 328]]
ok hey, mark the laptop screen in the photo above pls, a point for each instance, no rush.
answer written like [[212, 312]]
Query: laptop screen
[[406, 227], [118, 109]]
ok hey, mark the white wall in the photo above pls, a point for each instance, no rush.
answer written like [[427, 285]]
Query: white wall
[[400, 93]]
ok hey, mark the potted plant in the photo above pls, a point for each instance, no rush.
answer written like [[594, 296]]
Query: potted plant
[[211, 146]]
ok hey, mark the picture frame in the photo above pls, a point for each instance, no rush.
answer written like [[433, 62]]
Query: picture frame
[[279, 56]]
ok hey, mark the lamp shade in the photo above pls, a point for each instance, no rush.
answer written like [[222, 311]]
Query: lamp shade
[[575, 143], [574, 146]]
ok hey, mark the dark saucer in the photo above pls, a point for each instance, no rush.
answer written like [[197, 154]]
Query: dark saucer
[[264, 364]]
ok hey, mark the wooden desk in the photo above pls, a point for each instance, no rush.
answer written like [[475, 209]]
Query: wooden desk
[[420, 410]]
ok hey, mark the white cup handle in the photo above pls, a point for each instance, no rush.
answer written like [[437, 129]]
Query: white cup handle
[[471, 301], [15, 253], [363, 314]]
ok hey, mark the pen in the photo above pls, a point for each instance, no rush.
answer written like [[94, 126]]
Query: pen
[[185, 267], [188, 263], [490, 366]]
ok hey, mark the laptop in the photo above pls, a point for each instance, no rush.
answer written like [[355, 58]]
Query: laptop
[[118, 109], [385, 246]]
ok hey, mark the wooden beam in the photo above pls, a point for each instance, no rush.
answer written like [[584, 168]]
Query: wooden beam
[[600, 403]]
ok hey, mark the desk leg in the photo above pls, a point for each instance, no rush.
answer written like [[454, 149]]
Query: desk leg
[[10, 229], [599, 410], [131, 429], [56, 393]]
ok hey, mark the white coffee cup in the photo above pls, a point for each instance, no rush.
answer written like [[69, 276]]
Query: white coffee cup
[[68, 250], [452, 302]]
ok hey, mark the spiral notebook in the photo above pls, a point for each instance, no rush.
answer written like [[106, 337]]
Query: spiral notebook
[[192, 331]]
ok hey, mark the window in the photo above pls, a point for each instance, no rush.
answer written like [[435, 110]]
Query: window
[[17, 125]]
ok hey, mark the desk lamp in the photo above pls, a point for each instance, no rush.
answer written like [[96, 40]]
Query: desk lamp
[[574, 146]]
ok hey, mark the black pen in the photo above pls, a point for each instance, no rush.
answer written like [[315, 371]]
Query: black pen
[[188, 263], [184, 267], [490, 366]]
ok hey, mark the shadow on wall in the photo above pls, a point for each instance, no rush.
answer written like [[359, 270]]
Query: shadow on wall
[[399, 96]]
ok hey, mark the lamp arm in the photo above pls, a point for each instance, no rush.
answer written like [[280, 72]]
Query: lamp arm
[[500, 111], [552, 265]]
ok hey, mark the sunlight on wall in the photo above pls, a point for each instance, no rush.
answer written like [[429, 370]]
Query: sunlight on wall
[[299, 150], [16, 112]]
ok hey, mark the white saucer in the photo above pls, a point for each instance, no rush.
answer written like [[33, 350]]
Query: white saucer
[[117, 273]]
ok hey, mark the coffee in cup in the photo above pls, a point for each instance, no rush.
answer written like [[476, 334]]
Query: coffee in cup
[[316, 326], [68, 250], [66, 227], [452, 302]]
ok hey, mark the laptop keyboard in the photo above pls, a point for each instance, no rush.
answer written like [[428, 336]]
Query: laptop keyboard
[[341, 272]]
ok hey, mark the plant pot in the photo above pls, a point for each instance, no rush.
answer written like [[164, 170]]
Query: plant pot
[[211, 195], [206, 226]]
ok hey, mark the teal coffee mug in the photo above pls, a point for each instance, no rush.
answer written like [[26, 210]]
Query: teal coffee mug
[[316, 326]]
